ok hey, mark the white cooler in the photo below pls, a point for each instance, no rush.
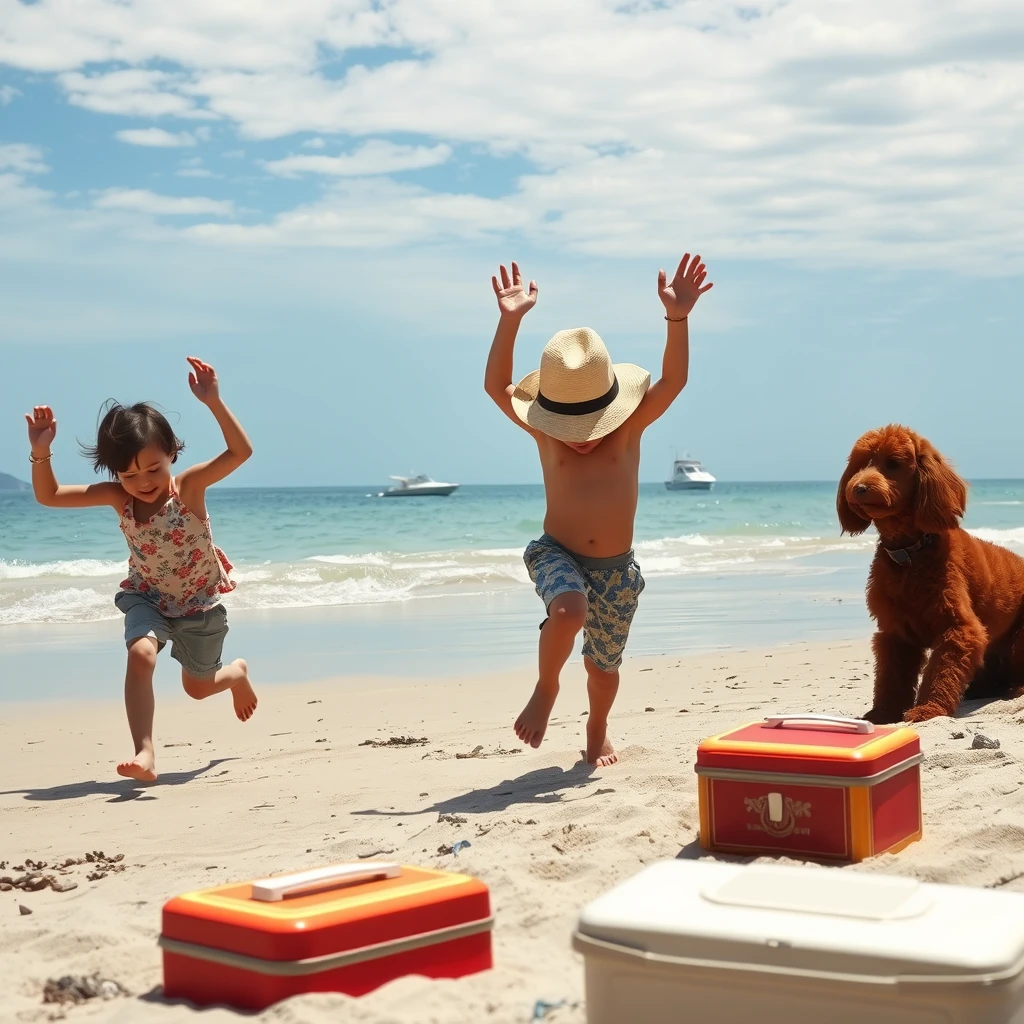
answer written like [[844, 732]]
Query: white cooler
[[766, 944]]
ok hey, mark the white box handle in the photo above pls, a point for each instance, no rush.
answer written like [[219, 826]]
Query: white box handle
[[271, 890], [859, 725]]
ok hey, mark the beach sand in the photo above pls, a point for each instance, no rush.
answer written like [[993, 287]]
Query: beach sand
[[293, 788]]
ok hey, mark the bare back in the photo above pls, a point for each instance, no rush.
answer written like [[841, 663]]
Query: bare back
[[591, 499]]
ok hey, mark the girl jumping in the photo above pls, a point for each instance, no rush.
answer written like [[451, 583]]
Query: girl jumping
[[176, 575]]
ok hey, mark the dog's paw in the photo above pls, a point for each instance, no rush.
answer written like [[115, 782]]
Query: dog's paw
[[882, 716], [924, 712]]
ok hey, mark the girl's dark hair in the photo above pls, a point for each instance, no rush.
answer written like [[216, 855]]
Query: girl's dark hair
[[124, 431]]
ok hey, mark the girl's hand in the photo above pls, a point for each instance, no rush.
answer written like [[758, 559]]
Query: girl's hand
[[513, 298], [203, 381], [42, 428], [686, 287]]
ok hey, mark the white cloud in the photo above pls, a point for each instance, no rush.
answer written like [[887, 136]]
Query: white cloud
[[132, 93], [7, 94], [215, 34], [143, 201], [22, 158], [376, 214], [156, 137], [194, 168], [843, 132], [374, 157], [22, 204], [315, 143]]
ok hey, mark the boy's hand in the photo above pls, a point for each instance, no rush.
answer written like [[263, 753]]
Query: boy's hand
[[42, 429], [203, 381], [513, 298], [681, 295]]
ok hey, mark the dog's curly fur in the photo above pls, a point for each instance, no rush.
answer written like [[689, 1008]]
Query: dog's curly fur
[[955, 609]]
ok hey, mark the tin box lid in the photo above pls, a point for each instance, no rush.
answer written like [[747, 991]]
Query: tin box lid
[[810, 744], [367, 904], [816, 920]]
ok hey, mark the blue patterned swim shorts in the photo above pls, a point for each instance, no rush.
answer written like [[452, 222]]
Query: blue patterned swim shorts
[[612, 587]]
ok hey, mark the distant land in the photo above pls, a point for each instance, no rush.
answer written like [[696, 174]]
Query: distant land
[[10, 483]]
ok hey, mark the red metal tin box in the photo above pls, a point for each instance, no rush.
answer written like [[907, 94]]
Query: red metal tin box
[[349, 928], [810, 786]]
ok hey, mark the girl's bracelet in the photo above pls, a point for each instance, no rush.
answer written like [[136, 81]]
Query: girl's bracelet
[[676, 319], [35, 461]]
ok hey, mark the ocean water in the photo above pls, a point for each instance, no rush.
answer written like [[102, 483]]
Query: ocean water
[[340, 547]]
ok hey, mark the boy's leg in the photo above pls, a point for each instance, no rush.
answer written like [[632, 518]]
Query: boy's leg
[[614, 594], [566, 615], [601, 688], [197, 643], [139, 704]]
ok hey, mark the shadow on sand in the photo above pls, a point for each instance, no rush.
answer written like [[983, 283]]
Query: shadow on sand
[[543, 786], [119, 790]]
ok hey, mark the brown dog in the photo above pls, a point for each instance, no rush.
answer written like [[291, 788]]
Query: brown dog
[[932, 586]]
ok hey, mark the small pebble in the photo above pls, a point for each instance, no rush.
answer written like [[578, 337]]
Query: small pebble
[[79, 988], [958, 735], [982, 742], [23, 910]]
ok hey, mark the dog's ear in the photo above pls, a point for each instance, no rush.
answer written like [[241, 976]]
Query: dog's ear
[[941, 494], [848, 519]]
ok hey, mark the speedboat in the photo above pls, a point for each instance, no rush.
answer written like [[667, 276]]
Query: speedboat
[[689, 475], [417, 486]]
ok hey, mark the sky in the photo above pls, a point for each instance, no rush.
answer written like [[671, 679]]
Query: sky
[[313, 197]]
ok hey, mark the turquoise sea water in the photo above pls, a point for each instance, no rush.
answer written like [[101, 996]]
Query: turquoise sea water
[[332, 582], [330, 547]]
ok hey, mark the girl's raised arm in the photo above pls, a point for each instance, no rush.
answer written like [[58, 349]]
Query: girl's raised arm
[[42, 429], [206, 387]]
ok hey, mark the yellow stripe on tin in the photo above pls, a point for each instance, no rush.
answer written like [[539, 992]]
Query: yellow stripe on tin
[[287, 911]]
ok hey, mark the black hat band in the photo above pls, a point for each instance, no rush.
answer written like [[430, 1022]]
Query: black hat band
[[580, 408]]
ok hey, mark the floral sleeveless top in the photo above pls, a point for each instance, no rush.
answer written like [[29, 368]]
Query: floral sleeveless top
[[173, 561]]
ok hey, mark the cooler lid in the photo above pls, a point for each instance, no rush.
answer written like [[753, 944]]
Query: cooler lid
[[811, 919], [812, 744], [325, 910]]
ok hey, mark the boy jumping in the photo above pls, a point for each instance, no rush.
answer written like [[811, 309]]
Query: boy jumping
[[587, 416]]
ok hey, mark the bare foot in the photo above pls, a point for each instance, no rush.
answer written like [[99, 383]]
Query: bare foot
[[142, 768], [242, 694], [533, 722], [600, 751]]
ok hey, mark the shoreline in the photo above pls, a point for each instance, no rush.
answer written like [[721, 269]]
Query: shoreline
[[454, 635]]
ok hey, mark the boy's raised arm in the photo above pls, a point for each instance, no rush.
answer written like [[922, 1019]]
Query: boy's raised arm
[[678, 297], [206, 387], [514, 302], [42, 430]]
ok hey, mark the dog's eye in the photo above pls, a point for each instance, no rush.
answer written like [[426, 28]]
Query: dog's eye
[[893, 464]]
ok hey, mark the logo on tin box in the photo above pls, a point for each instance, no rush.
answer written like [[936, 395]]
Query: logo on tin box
[[778, 815]]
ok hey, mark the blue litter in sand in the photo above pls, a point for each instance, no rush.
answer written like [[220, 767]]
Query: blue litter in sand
[[541, 1009], [460, 845]]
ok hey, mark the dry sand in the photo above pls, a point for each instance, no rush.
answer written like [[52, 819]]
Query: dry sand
[[293, 788]]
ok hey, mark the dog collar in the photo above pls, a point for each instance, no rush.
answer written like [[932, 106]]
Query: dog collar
[[901, 556]]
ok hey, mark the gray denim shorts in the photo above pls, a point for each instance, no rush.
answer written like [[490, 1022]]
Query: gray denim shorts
[[196, 640], [612, 587]]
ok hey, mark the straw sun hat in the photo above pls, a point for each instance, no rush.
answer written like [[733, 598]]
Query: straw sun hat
[[577, 395]]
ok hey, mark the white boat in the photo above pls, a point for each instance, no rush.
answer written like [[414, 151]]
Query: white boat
[[689, 475], [417, 486]]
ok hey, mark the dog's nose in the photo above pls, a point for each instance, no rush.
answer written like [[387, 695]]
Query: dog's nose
[[860, 489]]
